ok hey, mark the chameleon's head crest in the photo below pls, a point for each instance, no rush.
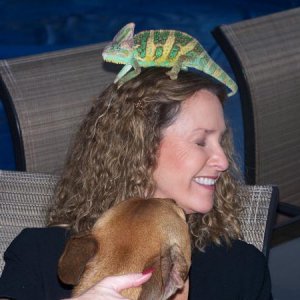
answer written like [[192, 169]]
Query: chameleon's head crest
[[161, 48], [125, 33]]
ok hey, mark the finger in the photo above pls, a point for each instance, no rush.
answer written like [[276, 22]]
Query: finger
[[145, 277], [121, 282]]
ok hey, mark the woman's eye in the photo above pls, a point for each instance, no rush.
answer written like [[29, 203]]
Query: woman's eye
[[201, 143]]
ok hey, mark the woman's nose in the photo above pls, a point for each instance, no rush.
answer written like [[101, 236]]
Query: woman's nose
[[219, 160]]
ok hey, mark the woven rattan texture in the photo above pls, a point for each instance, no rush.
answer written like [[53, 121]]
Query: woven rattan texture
[[268, 49], [51, 93], [255, 202], [25, 198]]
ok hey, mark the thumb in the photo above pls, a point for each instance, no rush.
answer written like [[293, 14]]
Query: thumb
[[121, 282]]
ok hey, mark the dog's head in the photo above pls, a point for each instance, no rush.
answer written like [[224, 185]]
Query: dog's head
[[135, 235]]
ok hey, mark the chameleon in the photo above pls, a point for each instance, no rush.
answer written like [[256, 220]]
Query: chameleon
[[161, 48]]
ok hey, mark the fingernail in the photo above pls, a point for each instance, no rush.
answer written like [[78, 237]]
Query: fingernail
[[147, 271]]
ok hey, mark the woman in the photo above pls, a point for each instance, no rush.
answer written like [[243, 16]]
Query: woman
[[152, 137]]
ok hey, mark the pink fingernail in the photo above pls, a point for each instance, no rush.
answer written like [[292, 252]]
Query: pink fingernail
[[147, 271]]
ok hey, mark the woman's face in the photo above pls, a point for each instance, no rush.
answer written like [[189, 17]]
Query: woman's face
[[190, 157]]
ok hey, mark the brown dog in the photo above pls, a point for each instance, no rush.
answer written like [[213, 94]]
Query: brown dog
[[132, 236]]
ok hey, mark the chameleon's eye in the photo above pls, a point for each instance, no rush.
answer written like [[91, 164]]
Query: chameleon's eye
[[126, 44]]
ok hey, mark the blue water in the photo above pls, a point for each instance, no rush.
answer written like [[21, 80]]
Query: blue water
[[31, 26]]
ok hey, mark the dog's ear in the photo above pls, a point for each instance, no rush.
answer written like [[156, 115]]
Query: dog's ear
[[170, 272], [78, 251], [175, 271]]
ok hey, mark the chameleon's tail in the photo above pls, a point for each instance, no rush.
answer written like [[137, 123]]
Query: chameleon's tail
[[214, 70]]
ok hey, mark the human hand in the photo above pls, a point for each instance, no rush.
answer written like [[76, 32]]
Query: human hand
[[110, 287]]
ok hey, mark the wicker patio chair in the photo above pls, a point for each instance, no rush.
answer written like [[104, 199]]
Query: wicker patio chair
[[264, 55], [25, 198], [45, 97]]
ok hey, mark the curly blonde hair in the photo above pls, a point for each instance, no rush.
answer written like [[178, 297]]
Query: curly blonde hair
[[115, 153]]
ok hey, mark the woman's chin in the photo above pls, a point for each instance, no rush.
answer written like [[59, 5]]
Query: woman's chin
[[200, 209]]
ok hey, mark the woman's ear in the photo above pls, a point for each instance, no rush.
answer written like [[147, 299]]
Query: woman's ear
[[78, 251]]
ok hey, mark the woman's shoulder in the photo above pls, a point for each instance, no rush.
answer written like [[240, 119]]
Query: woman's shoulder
[[42, 236], [237, 251], [31, 242], [230, 272], [240, 249], [31, 260], [43, 232], [247, 256]]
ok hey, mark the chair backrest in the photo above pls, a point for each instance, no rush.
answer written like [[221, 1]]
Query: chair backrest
[[25, 198], [264, 55], [45, 97], [24, 201]]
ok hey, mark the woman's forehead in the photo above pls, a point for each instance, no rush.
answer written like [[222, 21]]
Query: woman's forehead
[[202, 111]]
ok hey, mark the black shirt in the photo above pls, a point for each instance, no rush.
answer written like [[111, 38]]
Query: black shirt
[[236, 272]]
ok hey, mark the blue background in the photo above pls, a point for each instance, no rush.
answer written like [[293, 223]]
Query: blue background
[[35, 26]]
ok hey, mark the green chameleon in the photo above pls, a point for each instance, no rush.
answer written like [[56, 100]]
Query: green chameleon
[[161, 48]]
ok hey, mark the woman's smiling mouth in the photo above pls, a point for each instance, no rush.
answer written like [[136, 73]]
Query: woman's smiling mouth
[[206, 181]]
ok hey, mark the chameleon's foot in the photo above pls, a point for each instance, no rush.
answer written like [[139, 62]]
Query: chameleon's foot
[[119, 84], [172, 75], [128, 77]]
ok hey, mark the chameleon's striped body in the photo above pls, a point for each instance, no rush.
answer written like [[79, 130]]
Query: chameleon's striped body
[[161, 48]]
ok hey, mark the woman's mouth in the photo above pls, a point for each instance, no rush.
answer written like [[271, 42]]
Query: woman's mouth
[[207, 182]]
